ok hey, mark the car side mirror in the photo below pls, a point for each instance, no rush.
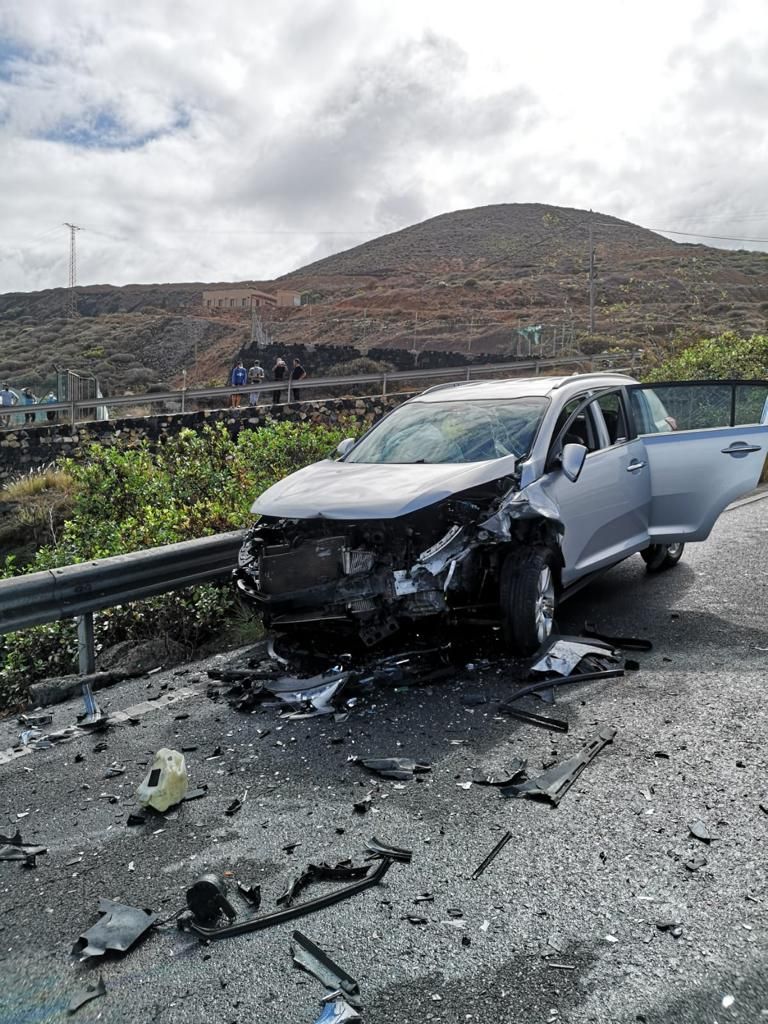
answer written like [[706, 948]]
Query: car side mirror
[[572, 460], [344, 446]]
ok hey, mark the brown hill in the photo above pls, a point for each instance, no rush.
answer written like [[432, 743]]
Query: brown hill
[[465, 281]]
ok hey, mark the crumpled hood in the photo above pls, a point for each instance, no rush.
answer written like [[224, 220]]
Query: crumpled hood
[[352, 490]]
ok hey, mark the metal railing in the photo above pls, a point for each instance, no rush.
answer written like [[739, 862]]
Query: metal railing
[[385, 384], [77, 591]]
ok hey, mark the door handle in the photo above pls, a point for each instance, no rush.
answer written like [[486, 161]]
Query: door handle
[[633, 467], [739, 448]]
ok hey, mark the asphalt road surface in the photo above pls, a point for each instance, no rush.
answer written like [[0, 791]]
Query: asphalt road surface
[[562, 927]]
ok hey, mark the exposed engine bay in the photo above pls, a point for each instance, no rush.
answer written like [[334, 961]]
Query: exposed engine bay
[[372, 576]]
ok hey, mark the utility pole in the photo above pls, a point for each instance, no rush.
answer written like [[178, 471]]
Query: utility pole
[[70, 306], [591, 282]]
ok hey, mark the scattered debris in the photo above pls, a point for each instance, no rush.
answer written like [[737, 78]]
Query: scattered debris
[[700, 831], [207, 899], [627, 643], [86, 994], [251, 893], [236, 804], [385, 851], [415, 919], [362, 806], [694, 863], [337, 1011], [118, 928], [135, 818], [556, 781], [166, 782], [500, 776], [473, 700], [561, 967], [491, 856], [36, 719], [309, 957], [373, 876], [671, 925], [196, 794], [425, 897], [93, 719], [400, 768], [14, 848], [114, 770], [553, 724], [343, 871]]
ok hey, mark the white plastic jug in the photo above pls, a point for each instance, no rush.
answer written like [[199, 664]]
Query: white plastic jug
[[166, 783]]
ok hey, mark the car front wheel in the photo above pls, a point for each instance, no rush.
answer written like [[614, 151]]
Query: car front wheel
[[659, 557], [527, 596]]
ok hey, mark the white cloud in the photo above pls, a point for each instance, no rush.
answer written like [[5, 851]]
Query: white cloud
[[199, 143]]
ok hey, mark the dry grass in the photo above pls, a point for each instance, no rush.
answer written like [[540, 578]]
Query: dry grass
[[35, 482]]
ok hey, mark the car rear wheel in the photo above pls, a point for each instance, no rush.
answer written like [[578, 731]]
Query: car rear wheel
[[659, 557], [527, 595]]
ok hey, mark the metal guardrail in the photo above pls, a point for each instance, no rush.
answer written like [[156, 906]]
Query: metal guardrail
[[383, 381], [77, 591]]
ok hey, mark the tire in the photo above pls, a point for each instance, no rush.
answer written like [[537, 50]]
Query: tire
[[659, 557], [527, 596]]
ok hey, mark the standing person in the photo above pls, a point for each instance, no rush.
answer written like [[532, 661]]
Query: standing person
[[279, 371], [255, 376], [297, 373], [7, 399], [238, 379], [27, 398], [50, 415]]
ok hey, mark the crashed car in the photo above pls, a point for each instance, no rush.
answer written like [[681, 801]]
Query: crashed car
[[497, 499]]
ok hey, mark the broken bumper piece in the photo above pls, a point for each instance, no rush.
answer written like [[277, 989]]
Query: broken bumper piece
[[254, 924], [117, 929], [556, 781]]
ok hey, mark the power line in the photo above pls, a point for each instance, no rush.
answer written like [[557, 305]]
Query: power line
[[697, 234]]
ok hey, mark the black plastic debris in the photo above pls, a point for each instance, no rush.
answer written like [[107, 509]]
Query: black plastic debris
[[363, 806], [36, 720], [425, 897], [400, 768], [556, 781], [251, 893], [374, 874], [118, 928], [530, 718], [626, 643], [15, 849], [86, 994], [491, 856], [384, 850], [207, 899], [310, 958], [700, 831], [236, 804], [136, 818], [562, 655], [473, 700], [195, 794], [290, 847], [500, 776], [415, 919], [343, 871], [114, 770], [671, 925]]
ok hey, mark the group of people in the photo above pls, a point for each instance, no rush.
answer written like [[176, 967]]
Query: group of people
[[10, 398], [254, 378]]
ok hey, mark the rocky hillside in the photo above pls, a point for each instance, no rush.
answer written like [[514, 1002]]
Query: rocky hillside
[[464, 282]]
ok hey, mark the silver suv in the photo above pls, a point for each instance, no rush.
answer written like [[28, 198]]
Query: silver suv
[[497, 499]]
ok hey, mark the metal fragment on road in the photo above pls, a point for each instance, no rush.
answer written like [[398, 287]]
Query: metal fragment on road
[[338, 1011], [700, 831], [530, 718], [491, 856], [400, 768], [86, 994], [309, 957], [556, 781], [119, 927]]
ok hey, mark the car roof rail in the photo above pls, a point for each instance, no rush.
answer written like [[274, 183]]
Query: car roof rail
[[585, 376], [451, 384]]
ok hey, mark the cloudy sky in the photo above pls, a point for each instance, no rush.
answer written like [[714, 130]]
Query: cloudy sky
[[202, 142]]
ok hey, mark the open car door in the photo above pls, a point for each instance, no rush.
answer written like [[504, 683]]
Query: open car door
[[706, 443]]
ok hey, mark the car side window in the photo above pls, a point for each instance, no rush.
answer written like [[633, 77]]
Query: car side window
[[611, 407], [574, 426], [698, 405]]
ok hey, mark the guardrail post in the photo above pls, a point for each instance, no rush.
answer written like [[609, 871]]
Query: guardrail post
[[86, 654], [73, 413], [384, 386]]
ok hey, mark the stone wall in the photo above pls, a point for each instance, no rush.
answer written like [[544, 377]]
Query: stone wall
[[24, 449]]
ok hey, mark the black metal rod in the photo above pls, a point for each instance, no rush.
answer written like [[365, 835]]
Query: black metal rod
[[492, 855]]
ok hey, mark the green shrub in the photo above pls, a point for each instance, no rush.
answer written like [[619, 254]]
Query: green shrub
[[727, 355], [125, 499]]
